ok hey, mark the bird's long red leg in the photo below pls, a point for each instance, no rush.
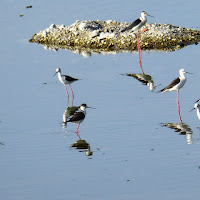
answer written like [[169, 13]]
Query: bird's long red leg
[[77, 131], [179, 113], [140, 52], [72, 94], [67, 96]]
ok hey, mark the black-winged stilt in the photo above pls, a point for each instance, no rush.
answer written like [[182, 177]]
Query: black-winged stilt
[[78, 117], [135, 26], [66, 80], [197, 106], [177, 84]]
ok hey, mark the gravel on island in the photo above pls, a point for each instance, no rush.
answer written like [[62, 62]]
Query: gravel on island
[[106, 36]]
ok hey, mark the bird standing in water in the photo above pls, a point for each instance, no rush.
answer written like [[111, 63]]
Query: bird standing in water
[[66, 80], [78, 117], [176, 84], [197, 106], [135, 26]]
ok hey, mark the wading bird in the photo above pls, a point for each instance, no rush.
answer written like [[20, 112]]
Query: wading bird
[[78, 117], [197, 106], [176, 84], [66, 80], [135, 26]]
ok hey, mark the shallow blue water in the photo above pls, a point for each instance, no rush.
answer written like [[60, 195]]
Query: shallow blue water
[[134, 156]]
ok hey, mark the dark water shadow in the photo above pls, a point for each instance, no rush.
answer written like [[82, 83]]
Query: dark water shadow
[[1, 143]]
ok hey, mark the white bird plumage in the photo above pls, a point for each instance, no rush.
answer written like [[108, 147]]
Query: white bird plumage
[[197, 107], [66, 80], [138, 23], [176, 84]]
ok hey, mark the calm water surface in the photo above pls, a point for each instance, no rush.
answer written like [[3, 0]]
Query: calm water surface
[[137, 153]]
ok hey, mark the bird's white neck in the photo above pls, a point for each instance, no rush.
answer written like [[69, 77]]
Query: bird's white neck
[[182, 76], [59, 75], [143, 17], [84, 112], [83, 109]]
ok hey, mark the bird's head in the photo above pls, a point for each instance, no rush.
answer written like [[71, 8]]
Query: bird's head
[[57, 70], [182, 71], [84, 106], [196, 106], [144, 14], [198, 101]]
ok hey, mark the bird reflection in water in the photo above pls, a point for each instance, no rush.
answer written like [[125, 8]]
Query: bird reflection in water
[[69, 112], [82, 144], [145, 79], [181, 128]]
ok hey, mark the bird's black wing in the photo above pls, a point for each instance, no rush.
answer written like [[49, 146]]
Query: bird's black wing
[[76, 117], [171, 85], [135, 23], [70, 79]]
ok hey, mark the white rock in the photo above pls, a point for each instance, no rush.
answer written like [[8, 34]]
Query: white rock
[[52, 26], [47, 30], [86, 54], [109, 21], [61, 26], [44, 33], [106, 35], [82, 26], [94, 33]]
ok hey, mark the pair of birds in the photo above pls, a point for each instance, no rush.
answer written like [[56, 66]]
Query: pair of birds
[[79, 115]]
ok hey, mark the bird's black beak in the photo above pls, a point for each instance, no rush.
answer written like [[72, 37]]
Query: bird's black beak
[[55, 74], [150, 15], [197, 101], [192, 109], [188, 73], [91, 107]]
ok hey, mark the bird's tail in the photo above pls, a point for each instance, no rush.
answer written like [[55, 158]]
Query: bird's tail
[[160, 91]]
